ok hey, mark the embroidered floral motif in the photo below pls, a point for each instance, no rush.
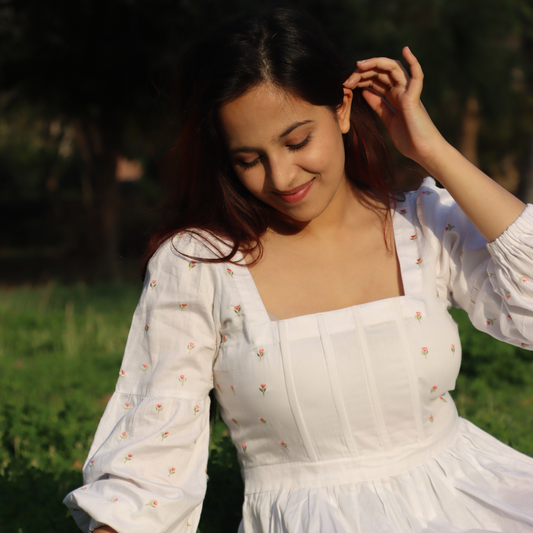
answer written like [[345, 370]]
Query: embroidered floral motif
[[431, 418], [509, 317], [122, 374], [219, 389], [418, 316], [146, 327], [196, 409], [237, 309], [152, 503], [190, 346], [192, 264], [260, 353], [113, 500], [427, 192], [145, 367], [449, 227], [433, 389], [84, 488], [127, 406], [263, 421], [263, 388], [507, 294], [443, 399], [414, 237], [183, 379], [153, 283], [523, 345], [180, 235], [123, 435], [171, 471], [159, 408], [419, 261], [402, 211], [233, 390], [235, 422], [490, 321], [91, 464], [424, 352], [128, 457], [229, 271], [490, 274], [461, 253], [183, 306], [224, 339], [438, 295], [164, 435], [453, 349], [244, 448], [522, 279], [284, 444]]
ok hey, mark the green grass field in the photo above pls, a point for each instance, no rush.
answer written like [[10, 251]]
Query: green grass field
[[60, 351]]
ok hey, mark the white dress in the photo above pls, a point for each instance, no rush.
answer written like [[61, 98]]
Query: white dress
[[342, 420]]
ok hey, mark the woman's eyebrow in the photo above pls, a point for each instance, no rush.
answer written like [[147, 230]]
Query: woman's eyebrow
[[292, 127]]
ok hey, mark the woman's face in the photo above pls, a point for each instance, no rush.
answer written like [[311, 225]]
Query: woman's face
[[286, 151]]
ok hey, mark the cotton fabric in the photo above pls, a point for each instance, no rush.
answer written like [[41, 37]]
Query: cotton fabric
[[343, 420]]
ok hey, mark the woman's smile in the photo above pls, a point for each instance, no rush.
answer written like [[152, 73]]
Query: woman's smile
[[297, 194]]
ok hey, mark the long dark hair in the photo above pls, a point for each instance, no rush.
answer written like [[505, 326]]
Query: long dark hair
[[283, 47]]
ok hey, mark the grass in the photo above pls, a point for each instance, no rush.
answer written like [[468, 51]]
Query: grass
[[60, 348]]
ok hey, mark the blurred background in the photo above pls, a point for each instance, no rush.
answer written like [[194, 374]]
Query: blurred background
[[86, 118]]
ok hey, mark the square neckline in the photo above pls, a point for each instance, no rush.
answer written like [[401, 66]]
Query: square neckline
[[398, 219]]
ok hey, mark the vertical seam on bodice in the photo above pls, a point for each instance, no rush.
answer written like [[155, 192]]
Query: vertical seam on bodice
[[370, 379], [335, 386], [291, 394]]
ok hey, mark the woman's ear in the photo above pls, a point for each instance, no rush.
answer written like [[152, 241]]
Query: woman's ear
[[345, 110]]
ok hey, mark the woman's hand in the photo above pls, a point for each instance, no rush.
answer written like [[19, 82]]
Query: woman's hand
[[395, 97]]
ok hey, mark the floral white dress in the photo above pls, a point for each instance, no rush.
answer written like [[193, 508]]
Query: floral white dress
[[342, 420]]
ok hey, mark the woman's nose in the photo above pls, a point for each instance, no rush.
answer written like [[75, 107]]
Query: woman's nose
[[281, 173]]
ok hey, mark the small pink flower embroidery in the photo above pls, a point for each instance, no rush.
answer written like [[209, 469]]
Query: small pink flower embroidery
[[449, 227], [196, 409], [453, 349], [263, 388], [192, 264], [443, 399], [523, 345], [123, 435], [235, 422], [427, 192], [522, 279], [183, 306], [145, 367], [159, 408], [91, 464], [414, 237], [190, 346], [431, 418], [424, 352], [419, 261], [146, 327], [153, 283], [164, 435], [284, 444], [127, 406], [260, 354], [152, 503], [219, 389], [183, 379], [128, 457], [189, 524], [233, 390], [244, 448], [438, 295], [180, 235], [84, 488], [211, 378], [402, 211], [122, 374], [418, 316], [224, 339], [229, 271], [113, 500], [509, 317], [171, 471], [263, 421], [237, 309], [490, 274], [490, 321], [433, 389], [507, 294]]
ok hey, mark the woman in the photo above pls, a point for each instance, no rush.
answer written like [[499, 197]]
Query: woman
[[294, 279]]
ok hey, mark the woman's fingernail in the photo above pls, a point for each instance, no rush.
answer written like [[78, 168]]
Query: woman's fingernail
[[361, 60]]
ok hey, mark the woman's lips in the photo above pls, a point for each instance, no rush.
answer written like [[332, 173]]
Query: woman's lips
[[297, 194]]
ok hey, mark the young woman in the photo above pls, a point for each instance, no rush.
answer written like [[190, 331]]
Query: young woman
[[293, 278]]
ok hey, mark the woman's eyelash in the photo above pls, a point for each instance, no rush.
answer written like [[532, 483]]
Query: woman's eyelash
[[291, 147]]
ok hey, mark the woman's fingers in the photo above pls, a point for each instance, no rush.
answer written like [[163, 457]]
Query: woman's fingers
[[378, 104], [417, 75], [375, 84], [393, 68]]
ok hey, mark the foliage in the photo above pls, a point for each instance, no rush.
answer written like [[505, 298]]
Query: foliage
[[60, 350]]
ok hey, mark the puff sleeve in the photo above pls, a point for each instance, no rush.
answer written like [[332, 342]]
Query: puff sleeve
[[146, 469], [492, 282]]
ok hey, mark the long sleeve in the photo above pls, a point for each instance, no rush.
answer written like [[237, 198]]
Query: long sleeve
[[146, 467], [492, 282]]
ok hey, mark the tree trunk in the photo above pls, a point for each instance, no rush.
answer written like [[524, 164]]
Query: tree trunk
[[470, 131]]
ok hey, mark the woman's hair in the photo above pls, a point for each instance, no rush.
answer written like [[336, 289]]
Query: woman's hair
[[282, 47]]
